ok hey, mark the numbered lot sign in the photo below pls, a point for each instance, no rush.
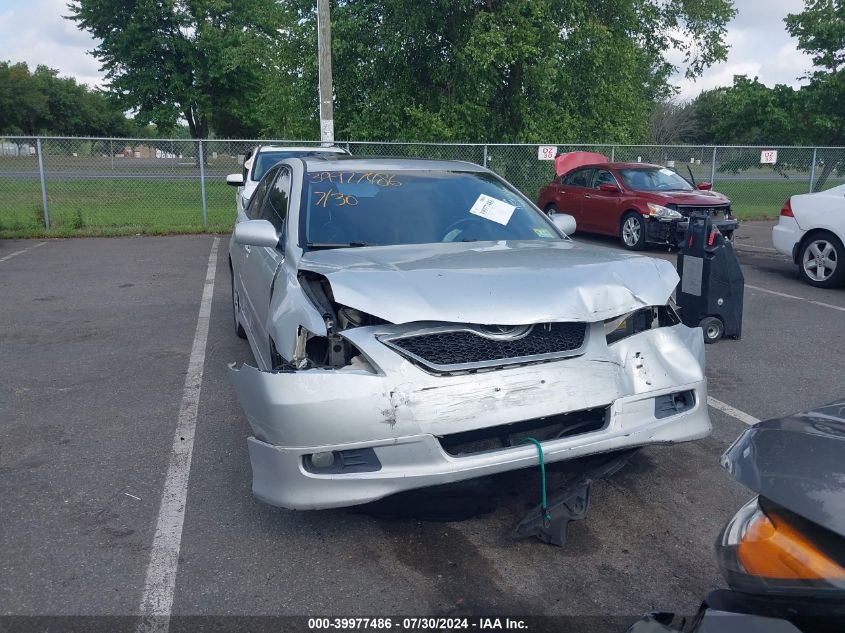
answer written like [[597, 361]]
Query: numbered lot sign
[[768, 157], [546, 152]]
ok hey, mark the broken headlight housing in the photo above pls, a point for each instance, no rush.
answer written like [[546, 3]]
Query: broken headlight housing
[[639, 321], [765, 549], [326, 352], [659, 211]]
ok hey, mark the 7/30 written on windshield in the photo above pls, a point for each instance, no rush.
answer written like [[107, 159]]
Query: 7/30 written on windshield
[[337, 198]]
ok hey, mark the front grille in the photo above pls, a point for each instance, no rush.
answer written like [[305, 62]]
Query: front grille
[[509, 435], [716, 211], [465, 348]]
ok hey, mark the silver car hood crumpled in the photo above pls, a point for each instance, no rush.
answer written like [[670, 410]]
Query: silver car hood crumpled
[[504, 283]]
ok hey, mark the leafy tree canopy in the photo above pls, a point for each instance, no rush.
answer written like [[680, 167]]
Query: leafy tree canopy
[[496, 70], [201, 61], [41, 102], [423, 70], [750, 113]]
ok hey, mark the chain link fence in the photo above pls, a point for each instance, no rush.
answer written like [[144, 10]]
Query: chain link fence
[[101, 186]]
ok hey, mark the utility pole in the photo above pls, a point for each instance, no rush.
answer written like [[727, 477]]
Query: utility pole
[[324, 55]]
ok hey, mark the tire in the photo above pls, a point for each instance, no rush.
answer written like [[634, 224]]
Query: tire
[[551, 210], [632, 231], [713, 329], [821, 261], [239, 329]]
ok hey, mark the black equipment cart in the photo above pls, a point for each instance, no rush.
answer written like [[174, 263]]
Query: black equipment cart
[[711, 289]]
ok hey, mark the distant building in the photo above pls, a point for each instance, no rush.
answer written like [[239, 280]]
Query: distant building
[[15, 149], [140, 151]]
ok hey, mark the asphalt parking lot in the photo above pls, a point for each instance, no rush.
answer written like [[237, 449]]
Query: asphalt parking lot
[[96, 337]]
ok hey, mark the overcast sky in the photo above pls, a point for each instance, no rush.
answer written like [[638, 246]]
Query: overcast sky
[[34, 31], [760, 46]]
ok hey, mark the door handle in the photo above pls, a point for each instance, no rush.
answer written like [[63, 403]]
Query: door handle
[[586, 195]]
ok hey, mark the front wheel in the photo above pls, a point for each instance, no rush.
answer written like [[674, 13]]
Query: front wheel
[[552, 210], [633, 231], [822, 261]]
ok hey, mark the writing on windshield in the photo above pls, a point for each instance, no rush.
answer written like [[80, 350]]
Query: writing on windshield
[[373, 177], [388, 207]]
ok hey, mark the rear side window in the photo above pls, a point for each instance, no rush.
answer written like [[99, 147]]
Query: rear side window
[[579, 178], [275, 208], [254, 210]]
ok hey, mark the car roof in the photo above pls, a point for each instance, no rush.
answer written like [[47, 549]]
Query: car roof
[[617, 166], [301, 148], [635, 166], [345, 162]]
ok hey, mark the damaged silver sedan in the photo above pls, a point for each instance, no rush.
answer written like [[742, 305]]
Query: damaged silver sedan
[[414, 322]]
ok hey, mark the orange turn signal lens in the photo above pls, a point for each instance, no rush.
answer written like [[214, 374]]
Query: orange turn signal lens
[[772, 548]]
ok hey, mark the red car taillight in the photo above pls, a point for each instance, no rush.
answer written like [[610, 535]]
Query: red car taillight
[[787, 208]]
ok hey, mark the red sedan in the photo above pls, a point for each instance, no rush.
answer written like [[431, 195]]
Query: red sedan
[[637, 202]]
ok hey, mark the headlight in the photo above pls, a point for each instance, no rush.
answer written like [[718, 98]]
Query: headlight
[[639, 321], [766, 549], [660, 211]]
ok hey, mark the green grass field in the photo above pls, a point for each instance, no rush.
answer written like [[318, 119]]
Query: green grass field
[[759, 199], [113, 207], [130, 206]]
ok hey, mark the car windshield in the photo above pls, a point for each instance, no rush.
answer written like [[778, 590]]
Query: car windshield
[[654, 179], [266, 160], [367, 208]]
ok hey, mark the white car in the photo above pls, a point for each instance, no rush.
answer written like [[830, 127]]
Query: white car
[[262, 158], [413, 322], [811, 230]]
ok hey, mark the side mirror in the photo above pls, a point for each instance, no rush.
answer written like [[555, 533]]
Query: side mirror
[[565, 222], [235, 180], [256, 233], [608, 187], [704, 186]]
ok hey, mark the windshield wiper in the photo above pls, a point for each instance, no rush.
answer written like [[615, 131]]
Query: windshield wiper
[[323, 245]]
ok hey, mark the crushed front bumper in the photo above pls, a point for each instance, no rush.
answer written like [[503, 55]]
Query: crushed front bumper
[[668, 231], [396, 415]]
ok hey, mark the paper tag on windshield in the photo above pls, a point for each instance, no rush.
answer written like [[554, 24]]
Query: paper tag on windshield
[[493, 209], [667, 172]]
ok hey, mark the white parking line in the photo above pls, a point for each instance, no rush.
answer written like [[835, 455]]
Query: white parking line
[[157, 599], [742, 416], [23, 250], [786, 296]]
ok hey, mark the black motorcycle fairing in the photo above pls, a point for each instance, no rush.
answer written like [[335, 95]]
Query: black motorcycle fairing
[[797, 462]]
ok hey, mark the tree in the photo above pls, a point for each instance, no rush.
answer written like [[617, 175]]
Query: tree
[[23, 108], [41, 102], [673, 122], [749, 112], [820, 30], [197, 60], [497, 70]]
